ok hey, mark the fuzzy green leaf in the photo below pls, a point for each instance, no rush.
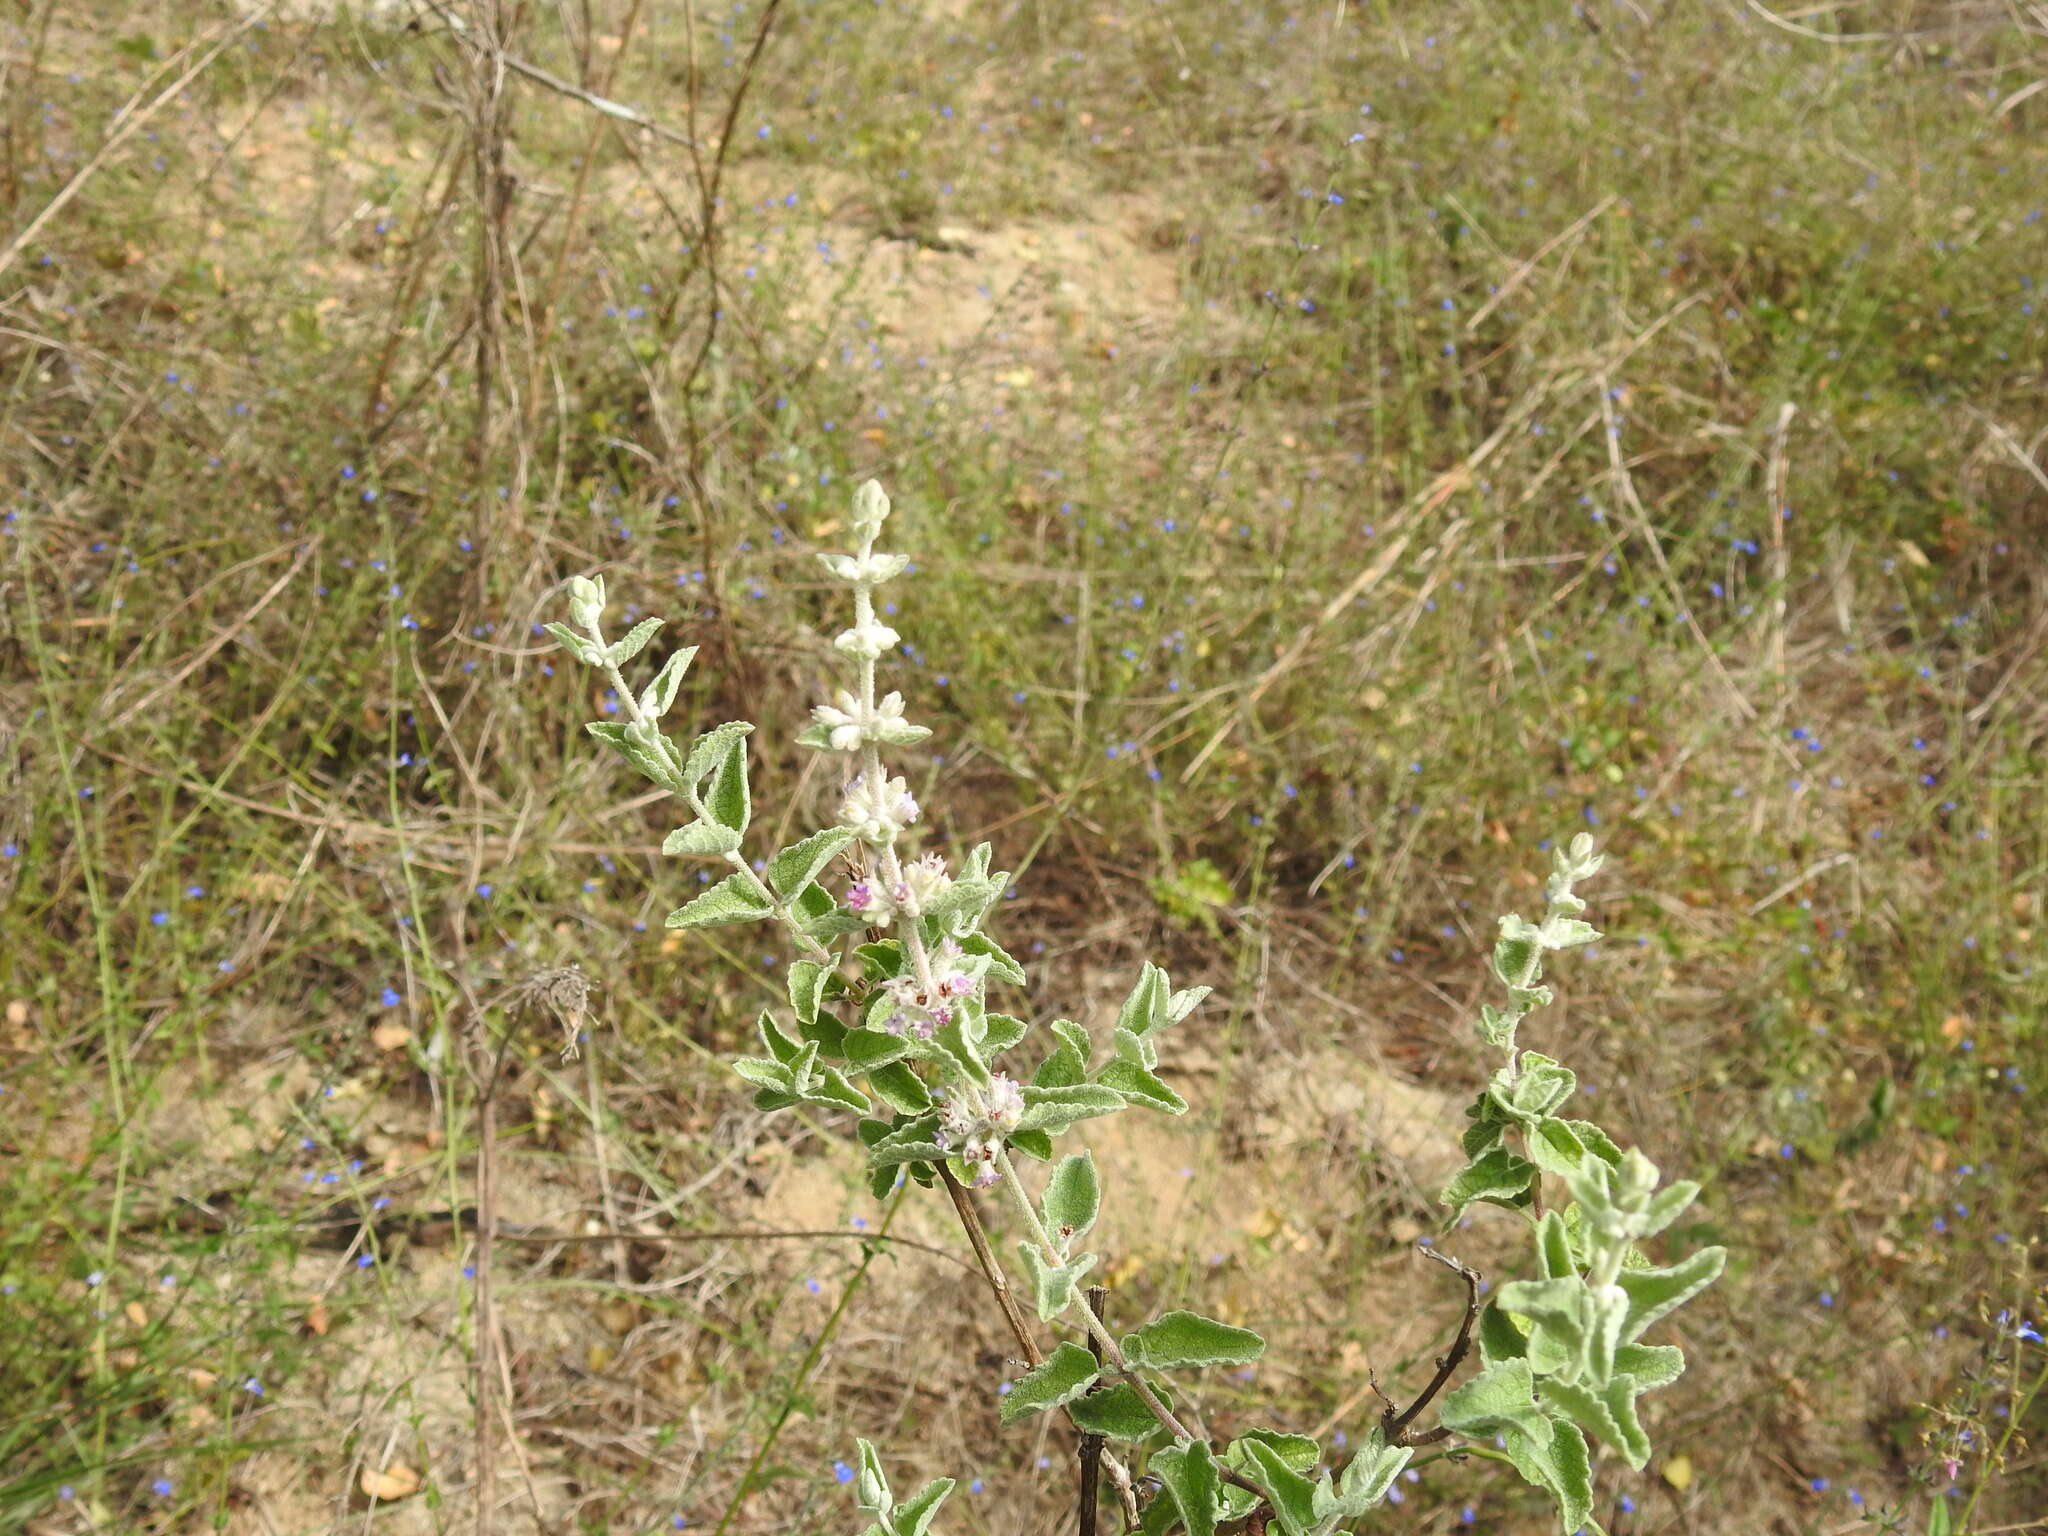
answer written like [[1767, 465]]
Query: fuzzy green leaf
[[1073, 1196], [1001, 967], [1654, 1292], [710, 750], [832, 1087], [913, 1517], [1033, 1144], [779, 1045], [633, 643], [1145, 1009], [1499, 1177], [1193, 1480], [1291, 1494], [762, 1073], [1068, 1064], [1117, 1412], [702, 839], [1052, 1285], [913, 1141], [579, 646], [727, 800], [658, 695], [1179, 1340], [643, 747], [808, 982], [956, 1052], [866, 1049], [999, 1033], [900, 1088], [1054, 1109], [1371, 1473], [1608, 1414], [1141, 1087], [1652, 1365], [871, 1486], [732, 900], [1066, 1373], [1500, 1397], [797, 865], [1514, 961]]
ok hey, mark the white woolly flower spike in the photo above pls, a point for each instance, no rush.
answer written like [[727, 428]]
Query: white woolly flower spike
[[877, 811], [865, 642]]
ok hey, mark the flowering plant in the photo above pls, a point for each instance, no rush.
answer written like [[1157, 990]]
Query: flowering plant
[[889, 1019]]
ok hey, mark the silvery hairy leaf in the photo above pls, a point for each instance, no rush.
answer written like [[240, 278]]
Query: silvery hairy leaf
[[956, 1054], [779, 1045], [882, 960], [831, 1087], [895, 732], [999, 1033], [1184, 1340], [866, 1049], [914, 1140], [1654, 1292], [1549, 1453], [1141, 1087], [1567, 933], [702, 838], [1497, 1028], [1371, 1473], [810, 983], [822, 918], [763, 1074], [1000, 966], [1135, 1048], [1499, 1178], [1652, 1365], [1145, 1008], [709, 750], [1607, 1414], [1517, 953], [1064, 1375], [1052, 1285], [1564, 1318], [658, 695], [643, 747], [1068, 1064], [1555, 1147], [913, 1517], [1054, 1109], [587, 651], [962, 895], [634, 642], [1534, 1090], [730, 901], [1032, 1144]]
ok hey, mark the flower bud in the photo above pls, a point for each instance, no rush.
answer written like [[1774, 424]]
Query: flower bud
[[867, 641], [870, 509], [586, 601]]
